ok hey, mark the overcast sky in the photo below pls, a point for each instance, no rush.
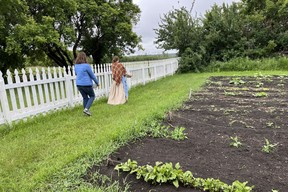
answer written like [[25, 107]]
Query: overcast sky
[[152, 10]]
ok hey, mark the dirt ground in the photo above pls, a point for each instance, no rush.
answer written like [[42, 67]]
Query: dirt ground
[[224, 108]]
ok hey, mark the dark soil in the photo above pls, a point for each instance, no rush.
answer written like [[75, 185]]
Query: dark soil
[[211, 117]]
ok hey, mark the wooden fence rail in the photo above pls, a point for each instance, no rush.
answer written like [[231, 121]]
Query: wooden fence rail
[[43, 90]]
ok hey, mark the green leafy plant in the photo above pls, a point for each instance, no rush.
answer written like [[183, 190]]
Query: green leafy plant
[[230, 93], [280, 85], [238, 186], [235, 142], [155, 129], [268, 147], [236, 81], [178, 134], [260, 94], [228, 111], [270, 124], [167, 173], [259, 84]]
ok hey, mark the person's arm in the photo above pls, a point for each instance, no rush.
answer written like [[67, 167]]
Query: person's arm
[[128, 75], [92, 75]]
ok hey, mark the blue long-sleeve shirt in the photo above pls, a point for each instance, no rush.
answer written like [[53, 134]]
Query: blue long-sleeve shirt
[[85, 75]]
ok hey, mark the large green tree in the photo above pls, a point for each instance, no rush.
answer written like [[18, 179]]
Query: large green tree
[[8, 20], [177, 30], [249, 28], [110, 30], [268, 23], [58, 28]]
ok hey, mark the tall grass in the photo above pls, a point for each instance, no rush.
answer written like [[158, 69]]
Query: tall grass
[[52, 152], [246, 64]]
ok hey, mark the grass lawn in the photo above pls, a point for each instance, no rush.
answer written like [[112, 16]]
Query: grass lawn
[[32, 152]]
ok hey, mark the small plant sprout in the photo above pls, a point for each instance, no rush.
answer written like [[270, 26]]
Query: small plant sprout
[[274, 190], [178, 134], [270, 124], [157, 130], [268, 147], [260, 94], [236, 81], [280, 85], [230, 93], [235, 142], [259, 84]]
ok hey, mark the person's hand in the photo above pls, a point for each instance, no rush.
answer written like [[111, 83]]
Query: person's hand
[[129, 75]]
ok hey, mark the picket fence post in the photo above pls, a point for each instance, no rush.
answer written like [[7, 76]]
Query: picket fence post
[[69, 87], [155, 73], [4, 102], [164, 68], [143, 75], [106, 83]]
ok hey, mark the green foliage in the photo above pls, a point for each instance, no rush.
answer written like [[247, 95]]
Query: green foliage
[[178, 134], [155, 129], [39, 27], [167, 173], [8, 10], [260, 94], [235, 142], [246, 64], [177, 30], [114, 34], [268, 147], [253, 29], [192, 61], [227, 93], [236, 81]]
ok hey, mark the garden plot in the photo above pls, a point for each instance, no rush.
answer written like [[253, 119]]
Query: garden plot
[[237, 129]]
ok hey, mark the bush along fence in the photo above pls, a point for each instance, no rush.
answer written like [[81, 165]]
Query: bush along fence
[[33, 92]]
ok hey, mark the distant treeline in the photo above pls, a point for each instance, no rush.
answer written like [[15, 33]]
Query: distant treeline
[[147, 57]]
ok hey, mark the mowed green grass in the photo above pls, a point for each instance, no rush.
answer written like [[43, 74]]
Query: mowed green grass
[[30, 152]]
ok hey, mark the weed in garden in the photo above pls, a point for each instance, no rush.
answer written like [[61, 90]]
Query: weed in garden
[[155, 129], [240, 122], [217, 83], [280, 85], [236, 81], [265, 89], [228, 111], [259, 84], [235, 142], [270, 124], [260, 94], [268, 147], [230, 93], [178, 134]]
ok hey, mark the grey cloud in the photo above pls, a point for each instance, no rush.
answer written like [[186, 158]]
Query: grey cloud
[[151, 11]]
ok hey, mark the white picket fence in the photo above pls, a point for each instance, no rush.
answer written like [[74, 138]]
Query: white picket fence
[[43, 90]]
